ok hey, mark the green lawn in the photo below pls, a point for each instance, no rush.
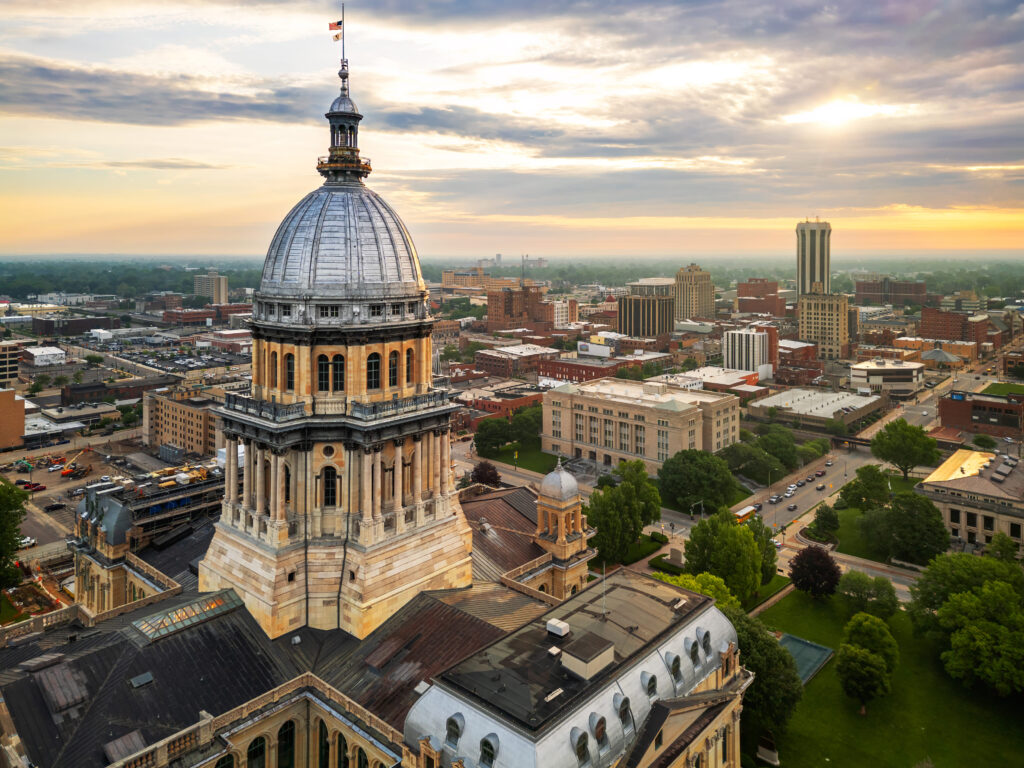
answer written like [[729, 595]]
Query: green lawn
[[645, 547], [776, 585], [529, 458], [8, 613], [1004, 389], [739, 493], [927, 715], [851, 542]]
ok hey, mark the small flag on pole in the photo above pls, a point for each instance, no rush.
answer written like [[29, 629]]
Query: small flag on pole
[[338, 36], [335, 25]]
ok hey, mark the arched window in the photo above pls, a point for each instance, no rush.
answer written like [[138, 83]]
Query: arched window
[[601, 733], [726, 735], [342, 752], [488, 752], [228, 761], [361, 761], [286, 745], [393, 369], [256, 755], [652, 686], [330, 487], [338, 373], [324, 746], [408, 366], [695, 654], [273, 369], [677, 672], [705, 642], [323, 374], [625, 716], [452, 732], [581, 749], [287, 484], [289, 371], [373, 371]]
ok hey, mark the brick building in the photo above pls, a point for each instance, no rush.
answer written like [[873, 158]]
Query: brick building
[[125, 389], [190, 316], [886, 290], [512, 361], [759, 296], [70, 325], [221, 312], [583, 369], [958, 326], [996, 415], [186, 418]]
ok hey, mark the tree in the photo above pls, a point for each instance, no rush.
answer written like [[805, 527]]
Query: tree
[[60, 381], [1017, 371], [868, 489], [450, 352], [705, 584], [35, 388], [691, 476], [486, 473], [952, 574], [720, 547], [862, 674], [984, 441], [77, 378], [814, 571], [1002, 547], [771, 699], [917, 533], [619, 513], [780, 444], [872, 634], [93, 359], [491, 434], [526, 426], [766, 545], [826, 521], [12, 512], [986, 627], [43, 380], [835, 427], [860, 592], [904, 446]]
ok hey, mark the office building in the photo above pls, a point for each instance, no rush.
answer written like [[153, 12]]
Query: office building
[[978, 413], [759, 296], [813, 262], [755, 348], [10, 358], [185, 417], [12, 419], [514, 360], [979, 494], [888, 290], [895, 377], [825, 320], [648, 310], [695, 294], [816, 407], [967, 302], [211, 285], [613, 420]]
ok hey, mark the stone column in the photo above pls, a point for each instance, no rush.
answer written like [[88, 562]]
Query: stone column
[[446, 462], [275, 486], [261, 499], [231, 471], [366, 487], [435, 464], [399, 497], [378, 483], [417, 477], [247, 476], [282, 479]]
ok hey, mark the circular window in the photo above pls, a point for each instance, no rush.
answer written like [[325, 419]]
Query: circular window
[[328, 451]]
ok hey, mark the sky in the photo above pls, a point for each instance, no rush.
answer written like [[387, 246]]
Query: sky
[[549, 127]]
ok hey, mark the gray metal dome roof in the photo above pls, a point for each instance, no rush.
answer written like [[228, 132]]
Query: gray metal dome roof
[[342, 242], [559, 484], [343, 103]]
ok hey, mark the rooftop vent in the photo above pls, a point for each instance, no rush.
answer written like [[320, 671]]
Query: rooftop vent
[[553, 651], [140, 680], [554, 694], [587, 655], [558, 627]]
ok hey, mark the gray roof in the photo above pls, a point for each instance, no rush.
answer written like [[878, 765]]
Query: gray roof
[[342, 241], [559, 484]]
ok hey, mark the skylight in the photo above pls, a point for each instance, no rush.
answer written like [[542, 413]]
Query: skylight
[[167, 623]]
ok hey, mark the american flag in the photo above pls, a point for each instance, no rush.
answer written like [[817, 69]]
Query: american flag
[[335, 25]]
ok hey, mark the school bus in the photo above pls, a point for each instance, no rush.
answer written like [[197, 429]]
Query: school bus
[[742, 515]]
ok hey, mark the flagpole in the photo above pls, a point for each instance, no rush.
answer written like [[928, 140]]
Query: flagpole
[[343, 31]]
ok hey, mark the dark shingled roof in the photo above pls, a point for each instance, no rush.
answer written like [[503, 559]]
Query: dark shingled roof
[[659, 715], [505, 542], [215, 666]]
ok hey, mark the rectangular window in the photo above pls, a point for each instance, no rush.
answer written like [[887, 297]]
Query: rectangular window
[[1014, 530], [624, 437], [609, 434], [376, 310], [972, 520], [638, 435], [412, 307], [286, 310], [579, 427], [396, 309], [989, 522]]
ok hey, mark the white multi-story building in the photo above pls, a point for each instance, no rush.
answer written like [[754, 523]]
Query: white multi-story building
[[40, 356], [896, 377], [747, 350]]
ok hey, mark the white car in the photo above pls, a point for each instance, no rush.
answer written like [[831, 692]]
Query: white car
[[828, 463], [105, 479], [1007, 439], [55, 468], [789, 494], [25, 542]]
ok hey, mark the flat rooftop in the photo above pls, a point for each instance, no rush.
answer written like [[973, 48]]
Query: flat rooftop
[[521, 350], [648, 392], [981, 473], [886, 364], [811, 402], [518, 677]]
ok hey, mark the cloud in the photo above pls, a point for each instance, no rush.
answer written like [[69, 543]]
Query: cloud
[[162, 164]]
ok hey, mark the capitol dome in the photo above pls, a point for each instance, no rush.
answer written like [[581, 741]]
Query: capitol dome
[[342, 243], [559, 485]]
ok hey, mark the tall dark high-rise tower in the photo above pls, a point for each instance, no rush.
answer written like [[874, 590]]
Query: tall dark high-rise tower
[[813, 241]]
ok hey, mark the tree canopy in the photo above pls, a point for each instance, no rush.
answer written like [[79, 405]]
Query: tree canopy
[[904, 446], [862, 674], [867, 490], [771, 699], [814, 571], [704, 583], [876, 596], [873, 634], [486, 473], [692, 476], [620, 512], [720, 547], [766, 545], [12, 512], [491, 434]]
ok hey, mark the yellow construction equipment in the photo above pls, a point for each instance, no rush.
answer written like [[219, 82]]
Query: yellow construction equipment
[[69, 467]]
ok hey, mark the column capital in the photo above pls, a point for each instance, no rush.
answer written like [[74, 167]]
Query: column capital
[[417, 437]]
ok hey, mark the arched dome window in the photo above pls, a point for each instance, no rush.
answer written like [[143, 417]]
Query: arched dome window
[[373, 371], [330, 487], [488, 750], [323, 374], [324, 746], [273, 369], [453, 731], [408, 366], [338, 373], [342, 752], [228, 761], [289, 372], [361, 759], [286, 745], [256, 755], [393, 369]]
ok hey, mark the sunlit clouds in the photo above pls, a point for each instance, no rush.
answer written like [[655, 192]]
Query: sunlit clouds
[[648, 128]]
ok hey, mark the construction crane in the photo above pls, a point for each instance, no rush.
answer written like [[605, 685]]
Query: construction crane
[[70, 466]]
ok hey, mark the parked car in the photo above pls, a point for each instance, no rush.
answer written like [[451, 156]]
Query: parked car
[[25, 542], [54, 507], [809, 479], [800, 483], [39, 488], [30, 486], [758, 506], [78, 492], [1007, 439], [788, 494], [791, 507], [20, 481], [105, 479], [828, 463], [55, 468], [820, 473], [819, 487]]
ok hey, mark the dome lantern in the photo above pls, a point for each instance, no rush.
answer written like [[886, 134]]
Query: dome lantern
[[343, 165]]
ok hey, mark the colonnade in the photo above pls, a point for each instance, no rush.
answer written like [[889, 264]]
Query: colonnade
[[429, 458]]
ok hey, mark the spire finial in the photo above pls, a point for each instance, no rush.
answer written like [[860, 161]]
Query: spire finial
[[343, 165]]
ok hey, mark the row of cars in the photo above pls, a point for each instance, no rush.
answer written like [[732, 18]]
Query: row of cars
[[30, 487], [792, 488]]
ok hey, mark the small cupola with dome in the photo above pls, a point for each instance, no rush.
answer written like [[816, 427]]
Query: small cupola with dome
[[561, 525]]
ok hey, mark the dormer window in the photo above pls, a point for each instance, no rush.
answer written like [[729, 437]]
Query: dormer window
[[625, 715], [453, 731], [488, 750], [676, 668], [580, 746]]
